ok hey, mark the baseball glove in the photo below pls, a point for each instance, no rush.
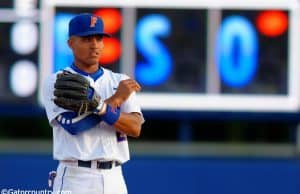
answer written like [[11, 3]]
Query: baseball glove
[[73, 92]]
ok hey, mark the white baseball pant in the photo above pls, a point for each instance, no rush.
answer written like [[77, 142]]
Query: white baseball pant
[[72, 179]]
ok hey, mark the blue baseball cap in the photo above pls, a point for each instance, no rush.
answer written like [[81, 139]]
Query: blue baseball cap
[[86, 24]]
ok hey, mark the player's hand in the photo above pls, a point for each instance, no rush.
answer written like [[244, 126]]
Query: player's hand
[[125, 88]]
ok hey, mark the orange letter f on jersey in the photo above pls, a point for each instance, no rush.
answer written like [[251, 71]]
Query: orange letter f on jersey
[[93, 21]]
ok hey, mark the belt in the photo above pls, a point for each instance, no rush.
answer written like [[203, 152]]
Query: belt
[[99, 164]]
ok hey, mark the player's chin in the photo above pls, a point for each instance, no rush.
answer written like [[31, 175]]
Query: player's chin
[[93, 60]]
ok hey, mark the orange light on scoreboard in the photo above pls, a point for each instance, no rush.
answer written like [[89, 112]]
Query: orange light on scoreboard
[[112, 24], [272, 23]]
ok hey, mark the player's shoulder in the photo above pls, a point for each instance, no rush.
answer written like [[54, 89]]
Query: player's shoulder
[[50, 79], [114, 76]]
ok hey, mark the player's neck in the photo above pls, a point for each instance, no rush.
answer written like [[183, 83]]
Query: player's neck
[[87, 68]]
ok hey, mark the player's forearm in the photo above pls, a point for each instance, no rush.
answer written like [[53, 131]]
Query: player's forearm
[[114, 101], [129, 123]]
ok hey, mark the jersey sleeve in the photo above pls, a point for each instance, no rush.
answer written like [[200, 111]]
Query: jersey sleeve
[[132, 104], [52, 110]]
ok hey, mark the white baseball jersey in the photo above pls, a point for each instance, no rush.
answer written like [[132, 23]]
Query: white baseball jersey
[[101, 142]]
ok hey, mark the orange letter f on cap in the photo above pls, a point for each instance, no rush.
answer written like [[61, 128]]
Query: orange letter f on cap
[[93, 21]]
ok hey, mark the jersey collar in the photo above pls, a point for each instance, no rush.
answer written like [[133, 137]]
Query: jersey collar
[[95, 75]]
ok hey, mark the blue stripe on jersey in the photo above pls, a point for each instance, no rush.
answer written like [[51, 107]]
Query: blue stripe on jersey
[[75, 124], [95, 75]]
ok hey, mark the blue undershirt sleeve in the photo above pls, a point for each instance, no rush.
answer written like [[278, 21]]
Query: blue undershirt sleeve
[[75, 124]]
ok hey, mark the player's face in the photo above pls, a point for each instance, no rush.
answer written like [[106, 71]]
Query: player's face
[[87, 50]]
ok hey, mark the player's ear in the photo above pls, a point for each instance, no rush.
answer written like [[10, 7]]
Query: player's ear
[[70, 42]]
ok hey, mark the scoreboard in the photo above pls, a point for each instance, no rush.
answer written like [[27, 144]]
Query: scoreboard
[[19, 52], [192, 55], [202, 55]]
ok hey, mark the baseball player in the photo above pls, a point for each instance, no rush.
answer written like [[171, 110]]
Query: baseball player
[[91, 110]]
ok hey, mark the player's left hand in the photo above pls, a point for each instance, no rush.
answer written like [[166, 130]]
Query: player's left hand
[[73, 92]]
